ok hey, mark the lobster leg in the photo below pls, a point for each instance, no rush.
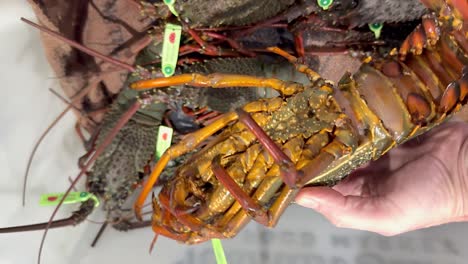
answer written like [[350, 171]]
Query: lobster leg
[[288, 171], [191, 141], [290, 175], [159, 218], [302, 68], [313, 168], [188, 143], [247, 203], [217, 80]]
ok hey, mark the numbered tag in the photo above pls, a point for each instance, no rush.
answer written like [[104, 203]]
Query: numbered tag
[[164, 140], [73, 197], [170, 4], [376, 28], [325, 4], [170, 52]]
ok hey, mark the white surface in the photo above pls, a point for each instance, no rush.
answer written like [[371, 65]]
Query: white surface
[[27, 107]]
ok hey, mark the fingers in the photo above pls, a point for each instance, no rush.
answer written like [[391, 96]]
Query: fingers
[[364, 213], [353, 183]]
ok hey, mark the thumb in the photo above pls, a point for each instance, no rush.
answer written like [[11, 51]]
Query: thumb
[[365, 213]]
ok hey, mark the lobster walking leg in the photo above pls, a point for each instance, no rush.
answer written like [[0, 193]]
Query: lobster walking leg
[[190, 142], [247, 203], [185, 145], [311, 74], [288, 171], [311, 135], [217, 80], [329, 153]]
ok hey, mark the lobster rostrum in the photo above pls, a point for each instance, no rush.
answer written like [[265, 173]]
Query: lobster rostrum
[[312, 134]]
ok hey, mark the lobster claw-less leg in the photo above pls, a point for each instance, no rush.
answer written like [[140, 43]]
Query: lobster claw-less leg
[[175, 213], [190, 142], [187, 144], [217, 80], [252, 208], [311, 74], [344, 141]]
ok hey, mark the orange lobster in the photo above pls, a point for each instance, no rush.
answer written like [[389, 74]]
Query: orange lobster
[[312, 134]]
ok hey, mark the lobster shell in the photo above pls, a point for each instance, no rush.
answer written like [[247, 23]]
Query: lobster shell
[[311, 135]]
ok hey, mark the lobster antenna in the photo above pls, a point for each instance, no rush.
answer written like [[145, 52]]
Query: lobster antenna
[[108, 139], [36, 146], [98, 235], [76, 218], [80, 47], [70, 103], [41, 138], [122, 121], [34, 227], [83, 49]]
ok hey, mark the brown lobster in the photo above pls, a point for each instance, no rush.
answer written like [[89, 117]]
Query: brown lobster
[[310, 135]]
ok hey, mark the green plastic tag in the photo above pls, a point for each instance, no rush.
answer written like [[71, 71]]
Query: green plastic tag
[[218, 251], [164, 140], [170, 52], [376, 28], [170, 4], [72, 197], [325, 4]]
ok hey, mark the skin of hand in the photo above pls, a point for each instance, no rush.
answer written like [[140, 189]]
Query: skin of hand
[[422, 183]]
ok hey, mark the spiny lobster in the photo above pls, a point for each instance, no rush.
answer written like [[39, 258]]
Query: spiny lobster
[[120, 168], [311, 134], [178, 231]]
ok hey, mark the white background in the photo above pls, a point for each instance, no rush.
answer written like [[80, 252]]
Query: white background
[[26, 109]]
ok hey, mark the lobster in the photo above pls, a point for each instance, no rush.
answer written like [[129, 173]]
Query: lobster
[[178, 212], [264, 152]]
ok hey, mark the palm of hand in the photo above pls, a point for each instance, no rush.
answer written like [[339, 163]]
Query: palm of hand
[[420, 184]]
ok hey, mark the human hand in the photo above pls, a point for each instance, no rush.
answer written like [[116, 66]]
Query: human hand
[[419, 184]]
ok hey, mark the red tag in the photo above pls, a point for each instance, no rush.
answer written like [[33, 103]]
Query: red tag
[[172, 37], [51, 198]]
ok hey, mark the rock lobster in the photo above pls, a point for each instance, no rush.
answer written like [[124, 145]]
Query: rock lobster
[[310, 135]]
